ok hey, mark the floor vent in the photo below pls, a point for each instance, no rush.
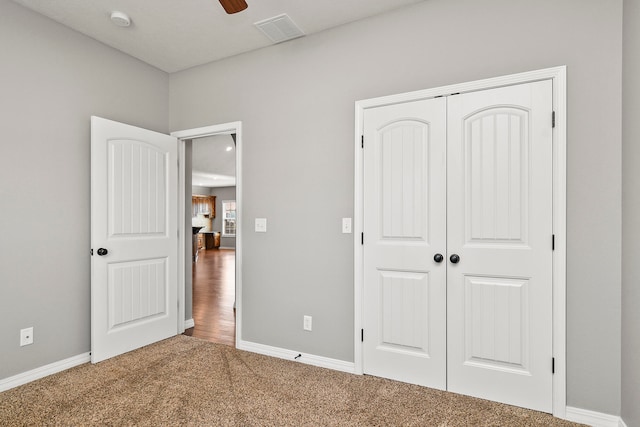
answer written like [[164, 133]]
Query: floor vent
[[279, 28]]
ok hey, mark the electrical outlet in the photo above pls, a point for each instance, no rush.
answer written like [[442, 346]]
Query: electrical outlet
[[307, 323], [26, 336]]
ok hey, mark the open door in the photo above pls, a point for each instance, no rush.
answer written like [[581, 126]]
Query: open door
[[134, 238]]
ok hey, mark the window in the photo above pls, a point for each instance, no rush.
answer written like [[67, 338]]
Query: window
[[229, 218]]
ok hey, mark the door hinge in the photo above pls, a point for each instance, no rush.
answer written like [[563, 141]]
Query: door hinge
[[362, 238], [361, 335], [91, 251], [553, 119], [553, 242], [553, 365], [362, 140]]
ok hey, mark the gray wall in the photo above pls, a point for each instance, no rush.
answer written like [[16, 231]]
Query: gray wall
[[52, 80], [631, 215], [201, 191], [296, 101], [223, 193]]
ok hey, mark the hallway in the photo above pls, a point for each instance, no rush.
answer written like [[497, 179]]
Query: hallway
[[214, 296]]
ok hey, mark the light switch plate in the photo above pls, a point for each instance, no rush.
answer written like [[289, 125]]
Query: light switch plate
[[261, 225], [346, 225]]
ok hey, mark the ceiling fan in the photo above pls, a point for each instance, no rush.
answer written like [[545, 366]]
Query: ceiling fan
[[233, 6]]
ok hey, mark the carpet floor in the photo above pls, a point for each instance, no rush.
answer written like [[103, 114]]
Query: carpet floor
[[188, 381]]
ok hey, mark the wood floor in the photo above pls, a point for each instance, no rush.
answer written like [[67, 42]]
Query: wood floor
[[214, 281]]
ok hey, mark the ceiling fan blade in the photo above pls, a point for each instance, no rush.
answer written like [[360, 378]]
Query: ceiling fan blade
[[233, 6]]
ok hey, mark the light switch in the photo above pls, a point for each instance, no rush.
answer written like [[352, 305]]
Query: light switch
[[261, 225], [346, 225]]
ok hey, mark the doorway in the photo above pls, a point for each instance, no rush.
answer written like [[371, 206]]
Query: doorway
[[446, 344], [213, 221], [220, 259]]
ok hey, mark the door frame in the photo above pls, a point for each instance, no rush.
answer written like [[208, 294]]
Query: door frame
[[558, 76], [190, 134]]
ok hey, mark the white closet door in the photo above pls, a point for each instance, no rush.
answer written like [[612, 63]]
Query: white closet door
[[499, 224], [404, 227]]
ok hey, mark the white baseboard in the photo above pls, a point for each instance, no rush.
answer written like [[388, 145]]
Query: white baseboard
[[592, 418], [309, 359], [43, 371], [189, 323]]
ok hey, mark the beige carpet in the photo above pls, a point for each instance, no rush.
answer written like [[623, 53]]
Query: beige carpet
[[187, 381]]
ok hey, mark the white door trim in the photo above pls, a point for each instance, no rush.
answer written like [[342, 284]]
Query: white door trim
[[182, 135], [558, 77]]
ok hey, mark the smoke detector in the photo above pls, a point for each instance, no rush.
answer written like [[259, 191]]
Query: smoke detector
[[279, 28], [120, 19]]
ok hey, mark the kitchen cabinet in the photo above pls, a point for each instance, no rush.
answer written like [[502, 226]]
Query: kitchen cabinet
[[208, 240], [205, 205], [212, 239]]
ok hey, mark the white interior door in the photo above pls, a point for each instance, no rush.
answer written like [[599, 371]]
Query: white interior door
[[499, 224], [404, 228], [133, 237]]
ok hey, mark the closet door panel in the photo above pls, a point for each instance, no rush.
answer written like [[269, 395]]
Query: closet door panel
[[404, 227], [499, 224]]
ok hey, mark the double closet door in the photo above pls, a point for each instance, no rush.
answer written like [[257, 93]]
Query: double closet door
[[458, 243]]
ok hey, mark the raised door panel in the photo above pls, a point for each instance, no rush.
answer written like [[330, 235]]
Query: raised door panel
[[496, 169], [137, 187], [404, 170], [497, 323], [136, 291], [404, 302]]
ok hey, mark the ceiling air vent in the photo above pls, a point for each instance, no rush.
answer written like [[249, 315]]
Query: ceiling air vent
[[279, 28]]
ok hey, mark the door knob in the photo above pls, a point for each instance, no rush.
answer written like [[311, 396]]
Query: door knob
[[454, 258], [102, 251], [438, 258]]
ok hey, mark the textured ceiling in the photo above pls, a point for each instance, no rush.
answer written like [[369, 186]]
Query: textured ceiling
[[173, 35]]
